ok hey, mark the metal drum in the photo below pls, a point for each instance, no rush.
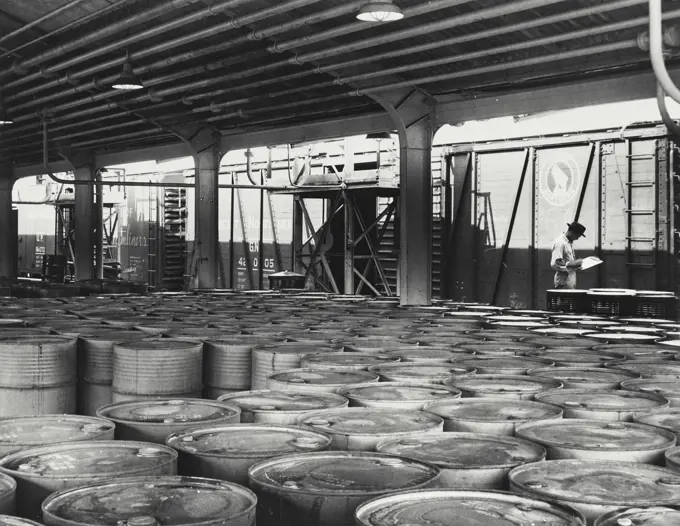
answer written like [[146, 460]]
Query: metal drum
[[157, 368], [656, 516], [420, 373], [375, 345], [623, 337], [503, 336], [596, 487], [599, 440], [227, 365], [273, 359], [513, 365], [326, 488], [43, 470], [588, 359], [668, 419], [360, 428], [396, 395], [672, 457], [347, 361], [467, 460], [8, 520], [668, 370], [37, 375], [562, 342], [274, 407], [669, 389], [445, 507], [638, 352], [562, 331], [429, 355], [317, 380], [512, 387], [499, 349], [152, 501], [26, 432], [8, 489], [603, 404], [227, 452], [671, 346], [154, 420], [655, 331], [95, 367], [585, 378], [490, 416]]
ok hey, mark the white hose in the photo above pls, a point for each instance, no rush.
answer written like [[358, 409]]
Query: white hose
[[656, 50]]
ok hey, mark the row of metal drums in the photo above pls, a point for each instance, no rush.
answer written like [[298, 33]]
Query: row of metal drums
[[463, 407]]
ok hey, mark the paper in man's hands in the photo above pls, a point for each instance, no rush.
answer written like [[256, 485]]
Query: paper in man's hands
[[590, 262]]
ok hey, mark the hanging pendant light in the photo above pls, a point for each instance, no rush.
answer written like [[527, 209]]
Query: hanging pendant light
[[127, 80], [380, 11]]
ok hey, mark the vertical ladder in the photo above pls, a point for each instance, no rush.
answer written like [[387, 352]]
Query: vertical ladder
[[174, 237], [152, 255], [641, 235]]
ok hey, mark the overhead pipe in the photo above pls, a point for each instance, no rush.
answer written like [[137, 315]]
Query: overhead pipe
[[656, 50], [99, 13], [409, 14], [181, 40], [180, 89], [96, 36], [663, 110], [494, 32], [565, 55], [504, 9], [40, 20], [530, 44]]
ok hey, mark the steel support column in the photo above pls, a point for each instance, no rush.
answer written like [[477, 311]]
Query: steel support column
[[205, 148], [85, 213], [412, 115], [8, 232]]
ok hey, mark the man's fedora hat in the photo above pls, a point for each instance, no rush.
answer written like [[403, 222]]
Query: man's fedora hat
[[577, 228]]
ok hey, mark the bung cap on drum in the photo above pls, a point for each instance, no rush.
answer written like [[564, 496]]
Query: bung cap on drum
[[139, 499], [447, 507]]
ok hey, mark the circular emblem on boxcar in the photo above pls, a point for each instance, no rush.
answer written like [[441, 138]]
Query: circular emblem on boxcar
[[560, 181]]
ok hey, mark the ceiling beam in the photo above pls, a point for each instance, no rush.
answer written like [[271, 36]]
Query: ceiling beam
[[234, 140], [453, 109]]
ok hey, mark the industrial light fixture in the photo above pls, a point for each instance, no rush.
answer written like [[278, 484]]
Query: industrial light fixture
[[127, 80], [380, 11], [379, 136]]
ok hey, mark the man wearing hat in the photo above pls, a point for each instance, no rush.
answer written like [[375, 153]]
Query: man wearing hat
[[563, 260]]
